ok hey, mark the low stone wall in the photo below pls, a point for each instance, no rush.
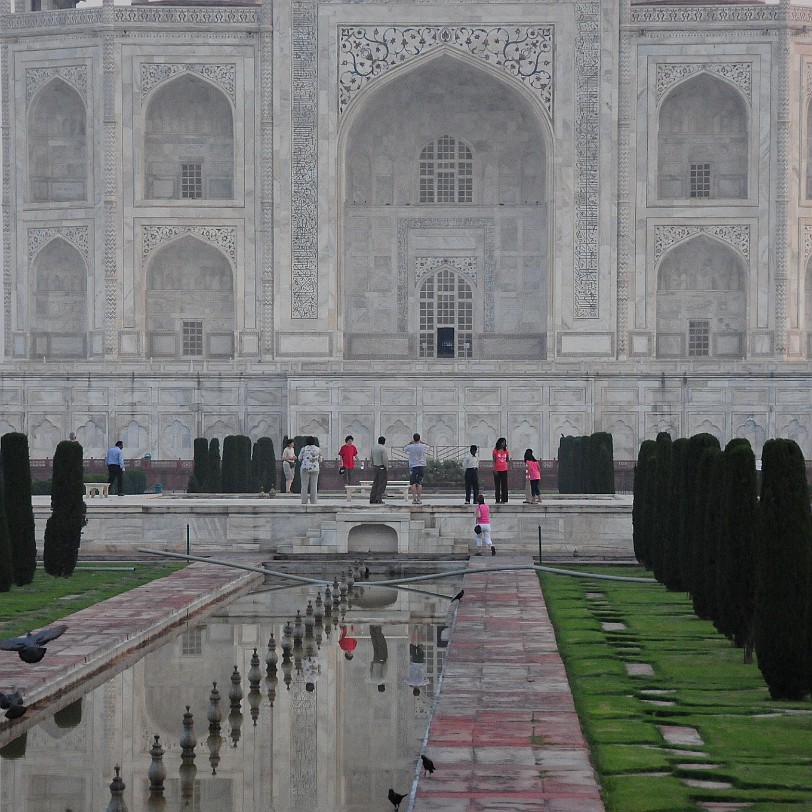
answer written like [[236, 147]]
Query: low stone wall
[[571, 527]]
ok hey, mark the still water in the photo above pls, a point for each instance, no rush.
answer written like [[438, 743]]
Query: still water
[[327, 731]]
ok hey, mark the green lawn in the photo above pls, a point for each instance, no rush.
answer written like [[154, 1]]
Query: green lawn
[[47, 599], [754, 751]]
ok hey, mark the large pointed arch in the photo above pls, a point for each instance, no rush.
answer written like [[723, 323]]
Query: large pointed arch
[[444, 95]]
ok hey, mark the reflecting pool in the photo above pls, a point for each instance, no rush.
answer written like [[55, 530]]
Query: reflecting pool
[[332, 726]]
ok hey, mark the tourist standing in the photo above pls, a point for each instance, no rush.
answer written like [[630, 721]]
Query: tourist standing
[[380, 465], [501, 458], [289, 464], [483, 522], [348, 453], [532, 475], [416, 672], [417, 467], [115, 466], [310, 459], [470, 463]]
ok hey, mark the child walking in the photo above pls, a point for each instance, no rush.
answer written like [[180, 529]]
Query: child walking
[[483, 520], [533, 475]]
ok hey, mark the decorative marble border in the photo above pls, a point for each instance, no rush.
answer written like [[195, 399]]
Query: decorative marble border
[[154, 73], [486, 224], [304, 212], [735, 235], [74, 75], [186, 15], [426, 266], [222, 237], [704, 14], [587, 143], [523, 51], [737, 73], [77, 236], [67, 18], [806, 241]]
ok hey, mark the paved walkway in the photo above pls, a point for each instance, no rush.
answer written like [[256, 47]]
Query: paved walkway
[[505, 735]]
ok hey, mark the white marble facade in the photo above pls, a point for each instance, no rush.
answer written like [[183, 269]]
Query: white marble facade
[[468, 219]]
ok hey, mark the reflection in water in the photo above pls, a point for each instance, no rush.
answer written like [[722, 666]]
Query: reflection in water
[[328, 732]]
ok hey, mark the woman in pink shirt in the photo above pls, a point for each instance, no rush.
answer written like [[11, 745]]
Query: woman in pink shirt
[[501, 457], [483, 520], [533, 475]]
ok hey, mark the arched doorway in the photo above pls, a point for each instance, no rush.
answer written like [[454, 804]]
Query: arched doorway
[[446, 316]]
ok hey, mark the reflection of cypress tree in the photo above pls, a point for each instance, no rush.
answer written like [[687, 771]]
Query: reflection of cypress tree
[[782, 549], [19, 511], [672, 539], [63, 530], [711, 492], [213, 478], [197, 482], [641, 504], [691, 523], [734, 574], [661, 503]]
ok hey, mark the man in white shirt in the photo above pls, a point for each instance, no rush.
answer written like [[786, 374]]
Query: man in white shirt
[[417, 467], [115, 466]]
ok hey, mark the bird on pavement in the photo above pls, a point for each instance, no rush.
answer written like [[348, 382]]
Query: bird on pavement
[[458, 596], [12, 704], [395, 798], [428, 764], [31, 646]]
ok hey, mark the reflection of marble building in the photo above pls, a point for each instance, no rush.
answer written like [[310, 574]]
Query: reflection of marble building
[[469, 219], [339, 747]]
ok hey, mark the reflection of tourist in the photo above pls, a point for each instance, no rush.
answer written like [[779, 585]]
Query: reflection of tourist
[[380, 656], [311, 671], [416, 675], [347, 643], [289, 464]]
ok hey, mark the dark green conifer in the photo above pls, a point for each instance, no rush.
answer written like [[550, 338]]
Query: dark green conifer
[[63, 530], [19, 509], [197, 482], [213, 473], [642, 502], [672, 538], [661, 503]]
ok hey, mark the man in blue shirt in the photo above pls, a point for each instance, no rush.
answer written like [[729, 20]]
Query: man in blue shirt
[[417, 467], [115, 466]]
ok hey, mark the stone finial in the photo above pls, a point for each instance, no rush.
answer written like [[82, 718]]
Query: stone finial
[[254, 673], [318, 608], [235, 691], [157, 769], [188, 740], [117, 787], [214, 716], [298, 628], [271, 657]]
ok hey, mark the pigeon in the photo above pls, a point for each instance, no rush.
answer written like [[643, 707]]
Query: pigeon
[[395, 798], [30, 646], [458, 596], [12, 704], [428, 764]]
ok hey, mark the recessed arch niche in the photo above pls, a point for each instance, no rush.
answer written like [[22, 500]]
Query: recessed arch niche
[[188, 141], [702, 141], [701, 280], [57, 145], [189, 281], [500, 231]]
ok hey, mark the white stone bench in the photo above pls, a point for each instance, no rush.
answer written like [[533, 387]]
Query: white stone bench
[[96, 489], [397, 488]]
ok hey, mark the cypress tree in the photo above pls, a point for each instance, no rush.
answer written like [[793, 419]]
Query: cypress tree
[[711, 500], [19, 510], [263, 465], [6, 562], [692, 522], [565, 464], [735, 577], [601, 463], [197, 482], [243, 464], [641, 502], [672, 538], [782, 553], [230, 463], [213, 473], [63, 531], [661, 503]]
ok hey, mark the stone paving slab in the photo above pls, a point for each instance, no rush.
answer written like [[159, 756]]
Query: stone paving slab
[[100, 634], [504, 685]]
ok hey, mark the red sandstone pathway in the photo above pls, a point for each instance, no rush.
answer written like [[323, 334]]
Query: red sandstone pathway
[[504, 734], [115, 628]]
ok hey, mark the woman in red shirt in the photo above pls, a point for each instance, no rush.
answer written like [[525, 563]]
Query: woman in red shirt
[[501, 457]]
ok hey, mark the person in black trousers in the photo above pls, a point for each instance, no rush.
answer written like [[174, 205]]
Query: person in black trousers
[[470, 462]]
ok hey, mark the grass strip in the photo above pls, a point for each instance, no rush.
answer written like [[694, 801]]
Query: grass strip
[[754, 750], [47, 599]]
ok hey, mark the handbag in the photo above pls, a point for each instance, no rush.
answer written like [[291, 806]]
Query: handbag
[[342, 470], [477, 529]]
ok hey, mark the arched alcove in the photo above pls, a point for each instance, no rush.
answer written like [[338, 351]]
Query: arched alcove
[[809, 150], [57, 145], [446, 316], [408, 201], [58, 313], [702, 141], [701, 301], [189, 142], [190, 301], [375, 538], [808, 305]]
